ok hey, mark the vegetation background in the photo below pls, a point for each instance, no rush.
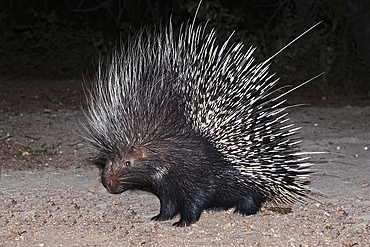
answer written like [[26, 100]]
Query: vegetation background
[[43, 38]]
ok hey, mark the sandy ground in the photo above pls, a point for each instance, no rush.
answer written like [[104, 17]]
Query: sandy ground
[[51, 194]]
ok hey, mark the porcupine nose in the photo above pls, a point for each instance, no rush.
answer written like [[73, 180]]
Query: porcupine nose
[[111, 184], [110, 179]]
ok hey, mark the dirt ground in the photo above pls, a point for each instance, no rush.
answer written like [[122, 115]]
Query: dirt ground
[[51, 194]]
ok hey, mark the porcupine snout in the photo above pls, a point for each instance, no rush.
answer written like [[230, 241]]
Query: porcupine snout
[[111, 178], [127, 171]]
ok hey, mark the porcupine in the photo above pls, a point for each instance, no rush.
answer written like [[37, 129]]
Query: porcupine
[[198, 125]]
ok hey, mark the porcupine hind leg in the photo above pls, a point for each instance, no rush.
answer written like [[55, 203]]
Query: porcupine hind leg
[[249, 205]]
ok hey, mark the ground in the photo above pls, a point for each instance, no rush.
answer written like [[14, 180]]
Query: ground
[[51, 194]]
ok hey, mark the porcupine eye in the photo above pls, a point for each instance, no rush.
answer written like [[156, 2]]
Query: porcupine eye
[[127, 163]]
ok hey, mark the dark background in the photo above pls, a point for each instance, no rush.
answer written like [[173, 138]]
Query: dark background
[[65, 39]]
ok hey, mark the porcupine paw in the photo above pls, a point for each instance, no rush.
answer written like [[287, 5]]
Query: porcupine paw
[[188, 217], [162, 217], [183, 223]]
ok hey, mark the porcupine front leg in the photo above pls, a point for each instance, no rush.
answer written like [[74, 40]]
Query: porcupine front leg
[[190, 213], [168, 209]]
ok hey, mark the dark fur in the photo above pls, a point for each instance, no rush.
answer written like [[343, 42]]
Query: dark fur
[[196, 179]]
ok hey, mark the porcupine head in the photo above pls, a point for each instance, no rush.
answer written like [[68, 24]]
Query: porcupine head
[[191, 123]]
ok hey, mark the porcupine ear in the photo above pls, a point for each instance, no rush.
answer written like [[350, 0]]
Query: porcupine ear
[[136, 153]]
